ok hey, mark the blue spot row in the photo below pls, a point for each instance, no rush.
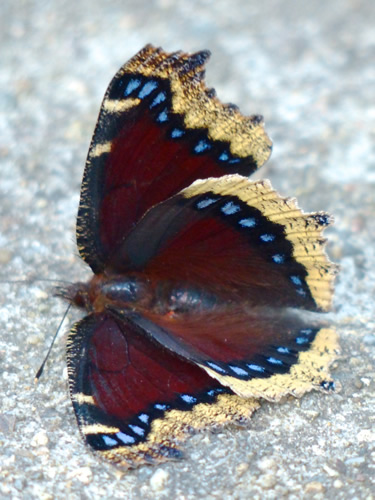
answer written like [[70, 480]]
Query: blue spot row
[[131, 435], [148, 88], [139, 427], [250, 370], [231, 208], [135, 84]]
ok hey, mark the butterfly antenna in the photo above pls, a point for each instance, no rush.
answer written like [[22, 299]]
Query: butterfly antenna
[[30, 281], [40, 371]]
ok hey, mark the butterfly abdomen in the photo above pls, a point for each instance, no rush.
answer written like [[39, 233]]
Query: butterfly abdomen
[[133, 294]]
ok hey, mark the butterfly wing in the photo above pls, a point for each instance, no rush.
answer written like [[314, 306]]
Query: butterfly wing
[[233, 257], [238, 239], [158, 130], [260, 352], [133, 399]]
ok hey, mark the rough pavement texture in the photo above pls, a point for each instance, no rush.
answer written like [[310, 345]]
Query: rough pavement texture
[[309, 68]]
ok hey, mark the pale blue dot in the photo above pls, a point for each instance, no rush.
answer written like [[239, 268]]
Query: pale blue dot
[[224, 156], [296, 280], [302, 340], [176, 133], [306, 331], [206, 203], [238, 370], [234, 160], [162, 117], [301, 291], [278, 258], [202, 146], [160, 407], [256, 368], [211, 392], [109, 441], [133, 84], [125, 438], [230, 208], [283, 350], [137, 430], [188, 399], [216, 367], [143, 417], [274, 361], [322, 219], [267, 238], [147, 89], [161, 97], [249, 222]]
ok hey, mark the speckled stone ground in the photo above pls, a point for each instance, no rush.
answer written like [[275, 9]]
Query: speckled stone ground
[[309, 68]]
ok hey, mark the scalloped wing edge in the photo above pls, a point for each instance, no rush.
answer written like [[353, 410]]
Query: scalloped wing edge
[[224, 122]]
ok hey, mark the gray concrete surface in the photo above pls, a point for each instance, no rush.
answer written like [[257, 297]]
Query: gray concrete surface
[[309, 68]]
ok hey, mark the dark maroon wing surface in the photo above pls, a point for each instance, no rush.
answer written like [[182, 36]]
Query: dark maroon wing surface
[[236, 239], [134, 399], [159, 129], [257, 352]]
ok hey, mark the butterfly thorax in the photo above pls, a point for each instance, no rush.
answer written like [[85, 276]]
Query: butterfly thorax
[[102, 292]]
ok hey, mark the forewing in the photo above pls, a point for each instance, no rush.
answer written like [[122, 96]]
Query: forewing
[[236, 239], [158, 130], [134, 400]]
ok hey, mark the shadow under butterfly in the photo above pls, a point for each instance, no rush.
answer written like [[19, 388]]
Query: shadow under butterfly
[[194, 306]]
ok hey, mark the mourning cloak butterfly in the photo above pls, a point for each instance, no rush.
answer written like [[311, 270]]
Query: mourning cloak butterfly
[[192, 306]]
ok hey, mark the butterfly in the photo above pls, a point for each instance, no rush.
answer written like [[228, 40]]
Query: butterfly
[[199, 273]]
